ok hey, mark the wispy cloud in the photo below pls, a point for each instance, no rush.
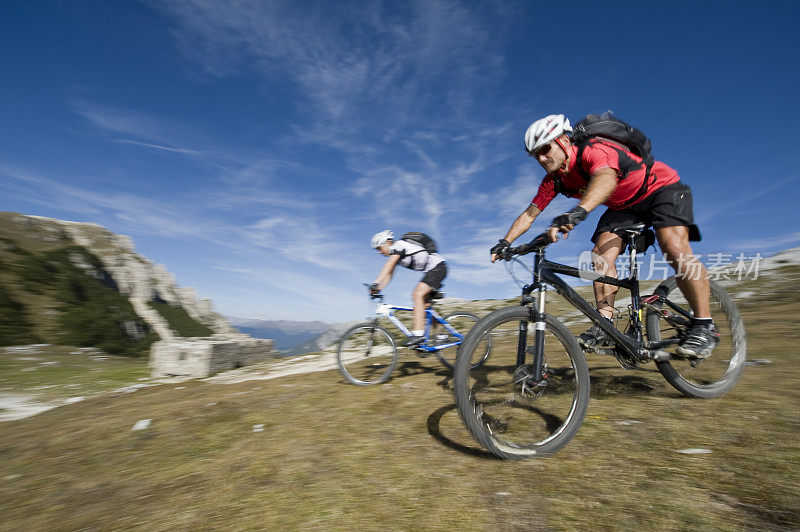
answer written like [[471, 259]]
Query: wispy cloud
[[144, 214], [145, 131], [158, 147], [281, 243], [362, 74], [138, 125], [305, 240], [362, 79], [365, 53]]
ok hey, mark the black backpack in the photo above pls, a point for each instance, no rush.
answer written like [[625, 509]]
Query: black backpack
[[610, 127], [422, 239]]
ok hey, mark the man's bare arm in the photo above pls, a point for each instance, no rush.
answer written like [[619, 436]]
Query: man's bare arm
[[388, 270], [520, 225], [523, 222], [601, 185]]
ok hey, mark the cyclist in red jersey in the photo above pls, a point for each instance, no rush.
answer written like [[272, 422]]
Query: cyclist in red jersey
[[610, 174]]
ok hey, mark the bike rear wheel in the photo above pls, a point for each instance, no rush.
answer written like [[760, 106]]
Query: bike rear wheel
[[507, 412], [711, 377], [366, 355], [461, 322]]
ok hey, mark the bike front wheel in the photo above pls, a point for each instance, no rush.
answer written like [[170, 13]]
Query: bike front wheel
[[462, 322], [721, 370], [366, 355], [505, 409]]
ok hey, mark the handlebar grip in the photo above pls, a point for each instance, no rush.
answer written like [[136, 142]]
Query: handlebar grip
[[373, 294], [537, 244]]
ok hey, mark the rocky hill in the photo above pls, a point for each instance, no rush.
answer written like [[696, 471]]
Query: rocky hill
[[78, 284]]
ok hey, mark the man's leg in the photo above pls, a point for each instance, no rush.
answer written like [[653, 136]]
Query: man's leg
[[692, 279], [690, 273], [607, 248], [420, 297], [604, 259]]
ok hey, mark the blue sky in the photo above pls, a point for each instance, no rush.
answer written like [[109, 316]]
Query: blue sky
[[254, 147]]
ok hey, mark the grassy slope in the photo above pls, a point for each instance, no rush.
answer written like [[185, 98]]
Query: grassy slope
[[57, 373], [335, 456], [180, 321]]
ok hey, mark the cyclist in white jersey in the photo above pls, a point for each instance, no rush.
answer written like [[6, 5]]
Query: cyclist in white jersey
[[413, 256]]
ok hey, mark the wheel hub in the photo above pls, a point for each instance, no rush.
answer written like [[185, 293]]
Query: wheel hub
[[526, 381]]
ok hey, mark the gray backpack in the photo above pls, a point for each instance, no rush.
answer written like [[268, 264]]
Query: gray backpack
[[422, 239]]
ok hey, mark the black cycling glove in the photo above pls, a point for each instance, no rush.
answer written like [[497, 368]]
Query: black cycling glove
[[499, 247], [573, 217], [373, 289]]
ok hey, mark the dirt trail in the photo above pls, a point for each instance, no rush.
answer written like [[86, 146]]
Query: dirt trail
[[277, 368]]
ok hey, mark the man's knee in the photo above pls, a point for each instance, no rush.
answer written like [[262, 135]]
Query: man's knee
[[420, 291], [605, 252], [674, 242], [604, 262]]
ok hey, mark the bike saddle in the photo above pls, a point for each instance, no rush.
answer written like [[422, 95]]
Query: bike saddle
[[642, 238], [437, 295], [630, 229]]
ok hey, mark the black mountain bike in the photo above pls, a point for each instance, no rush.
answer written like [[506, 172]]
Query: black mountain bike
[[529, 398]]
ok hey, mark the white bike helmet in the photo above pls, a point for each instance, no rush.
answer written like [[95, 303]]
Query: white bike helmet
[[544, 130], [379, 239]]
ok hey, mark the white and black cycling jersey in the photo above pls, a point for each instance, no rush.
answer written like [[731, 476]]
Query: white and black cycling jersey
[[414, 257]]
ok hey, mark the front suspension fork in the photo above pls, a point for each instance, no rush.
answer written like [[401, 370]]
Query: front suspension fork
[[537, 317]]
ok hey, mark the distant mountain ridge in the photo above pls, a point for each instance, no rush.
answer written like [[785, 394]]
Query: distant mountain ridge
[[286, 334]]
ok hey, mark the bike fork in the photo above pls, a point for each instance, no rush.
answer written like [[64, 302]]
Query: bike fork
[[537, 317]]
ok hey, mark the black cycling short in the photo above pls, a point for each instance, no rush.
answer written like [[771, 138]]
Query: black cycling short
[[435, 276], [668, 206]]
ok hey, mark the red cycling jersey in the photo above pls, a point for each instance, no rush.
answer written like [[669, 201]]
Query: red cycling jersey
[[602, 153]]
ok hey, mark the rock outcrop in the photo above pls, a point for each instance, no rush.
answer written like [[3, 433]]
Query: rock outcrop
[[142, 281]]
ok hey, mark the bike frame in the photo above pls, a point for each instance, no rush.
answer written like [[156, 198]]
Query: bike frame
[[546, 272], [387, 311]]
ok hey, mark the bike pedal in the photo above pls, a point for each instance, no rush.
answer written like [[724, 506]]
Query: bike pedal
[[661, 356]]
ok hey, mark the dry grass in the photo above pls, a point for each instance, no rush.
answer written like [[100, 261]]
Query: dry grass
[[396, 456]]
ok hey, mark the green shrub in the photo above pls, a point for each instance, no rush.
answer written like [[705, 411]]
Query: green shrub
[[36, 274], [179, 320], [15, 328], [95, 315], [93, 312]]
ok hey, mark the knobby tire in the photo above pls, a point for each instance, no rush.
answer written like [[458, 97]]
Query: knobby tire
[[498, 413], [722, 369], [463, 322], [366, 354]]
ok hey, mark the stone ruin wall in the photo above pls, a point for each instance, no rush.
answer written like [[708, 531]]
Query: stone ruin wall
[[201, 357]]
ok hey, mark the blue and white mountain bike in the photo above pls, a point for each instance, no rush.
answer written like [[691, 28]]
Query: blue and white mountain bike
[[368, 354]]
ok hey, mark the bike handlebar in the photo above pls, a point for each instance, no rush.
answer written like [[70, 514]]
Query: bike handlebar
[[537, 244], [373, 295]]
